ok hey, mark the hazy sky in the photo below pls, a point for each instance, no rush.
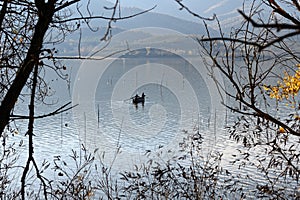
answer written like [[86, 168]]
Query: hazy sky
[[205, 8]]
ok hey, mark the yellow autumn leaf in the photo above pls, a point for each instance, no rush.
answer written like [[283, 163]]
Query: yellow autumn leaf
[[281, 130], [266, 88]]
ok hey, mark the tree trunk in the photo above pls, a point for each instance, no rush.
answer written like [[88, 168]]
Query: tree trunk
[[46, 13]]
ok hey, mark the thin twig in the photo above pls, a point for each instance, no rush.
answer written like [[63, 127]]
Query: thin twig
[[57, 111], [193, 13]]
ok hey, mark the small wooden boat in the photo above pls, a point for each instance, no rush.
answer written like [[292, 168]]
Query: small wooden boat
[[137, 99]]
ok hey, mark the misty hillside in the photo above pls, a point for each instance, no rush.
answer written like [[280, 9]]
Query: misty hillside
[[152, 19], [91, 39]]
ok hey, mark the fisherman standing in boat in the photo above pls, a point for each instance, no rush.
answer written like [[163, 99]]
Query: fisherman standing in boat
[[136, 97]]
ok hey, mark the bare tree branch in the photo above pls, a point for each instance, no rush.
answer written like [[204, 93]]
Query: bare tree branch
[[193, 13], [66, 4], [31, 59], [56, 112], [278, 9], [30, 141], [113, 18], [3, 12], [278, 26]]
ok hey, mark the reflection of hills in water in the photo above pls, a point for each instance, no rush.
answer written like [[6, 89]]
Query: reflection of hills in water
[[155, 53]]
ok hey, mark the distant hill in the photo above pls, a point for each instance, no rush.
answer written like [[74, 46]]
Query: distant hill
[[152, 19], [90, 39]]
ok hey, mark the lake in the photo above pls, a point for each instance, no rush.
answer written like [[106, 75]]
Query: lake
[[180, 97]]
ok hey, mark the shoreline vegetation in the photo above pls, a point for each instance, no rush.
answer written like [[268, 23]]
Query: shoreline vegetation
[[187, 174]]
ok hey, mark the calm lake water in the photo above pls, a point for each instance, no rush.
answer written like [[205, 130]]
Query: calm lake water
[[180, 96]]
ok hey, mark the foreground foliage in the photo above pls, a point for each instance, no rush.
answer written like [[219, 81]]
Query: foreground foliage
[[261, 75], [189, 173]]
